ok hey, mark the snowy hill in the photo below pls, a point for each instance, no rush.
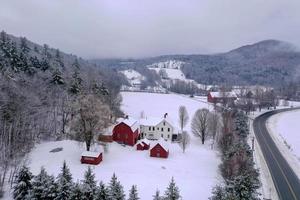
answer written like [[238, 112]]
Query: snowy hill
[[133, 77]]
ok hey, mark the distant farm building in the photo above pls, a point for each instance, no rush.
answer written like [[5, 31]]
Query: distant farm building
[[126, 132], [156, 128], [93, 158], [160, 150], [221, 97]]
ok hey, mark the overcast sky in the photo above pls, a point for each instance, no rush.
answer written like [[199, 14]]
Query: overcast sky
[[141, 28]]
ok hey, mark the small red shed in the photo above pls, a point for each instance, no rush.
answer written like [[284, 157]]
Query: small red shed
[[160, 150], [140, 147], [90, 157], [126, 132]]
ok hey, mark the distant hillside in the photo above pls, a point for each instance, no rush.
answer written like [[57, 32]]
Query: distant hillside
[[268, 62]]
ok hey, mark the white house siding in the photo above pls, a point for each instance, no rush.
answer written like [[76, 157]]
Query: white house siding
[[162, 130]]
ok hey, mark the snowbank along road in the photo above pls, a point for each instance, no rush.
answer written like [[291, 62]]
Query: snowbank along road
[[285, 180]]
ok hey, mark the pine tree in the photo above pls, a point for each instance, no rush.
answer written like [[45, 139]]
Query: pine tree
[[57, 78], [241, 124], [156, 196], [102, 192], [172, 192], [24, 46], [22, 184], [64, 183], [89, 185], [133, 194], [76, 83], [76, 64], [115, 189], [77, 193], [43, 186]]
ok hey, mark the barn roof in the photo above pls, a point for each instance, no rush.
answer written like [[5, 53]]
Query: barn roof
[[223, 94], [131, 122], [92, 154]]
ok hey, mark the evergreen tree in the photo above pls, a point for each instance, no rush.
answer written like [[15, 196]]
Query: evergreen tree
[[76, 64], [45, 64], [57, 78], [241, 124], [115, 189], [89, 185], [22, 184], [157, 196], [15, 62], [43, 186], [76, 83], [59, 58], [77, 193], [172, 192], [24, 46], [133, 194], [64, 183], [102, 192]]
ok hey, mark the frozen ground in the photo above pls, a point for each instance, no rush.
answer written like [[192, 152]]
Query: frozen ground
[[195, 172]]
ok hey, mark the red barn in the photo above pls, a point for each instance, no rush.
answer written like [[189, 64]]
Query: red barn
[[89, 157], [220, 97], [160, 150], [126, 132]]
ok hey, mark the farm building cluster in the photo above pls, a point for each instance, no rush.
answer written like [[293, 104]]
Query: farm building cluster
[[152, 134]]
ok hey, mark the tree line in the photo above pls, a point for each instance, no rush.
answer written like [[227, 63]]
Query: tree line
[[44, 186], [43, 93], [241, 178]]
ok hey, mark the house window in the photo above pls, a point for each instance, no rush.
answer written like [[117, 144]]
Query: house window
[[164, 123], [157, 128], [153, 128], [168, 136], [168, 129], [149, 128], [162, 129], [162, 135]]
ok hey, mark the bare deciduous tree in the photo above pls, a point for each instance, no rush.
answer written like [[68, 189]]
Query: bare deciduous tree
[[185, 140], [214, 125], [92, 116], [183, 117], [200, 124]]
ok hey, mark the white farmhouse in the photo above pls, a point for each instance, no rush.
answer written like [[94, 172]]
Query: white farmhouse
[[156, 128]]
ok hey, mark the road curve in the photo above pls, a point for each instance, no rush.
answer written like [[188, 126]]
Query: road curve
[[285, 180]]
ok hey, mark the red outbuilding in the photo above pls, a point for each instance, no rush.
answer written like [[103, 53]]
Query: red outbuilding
[[93, 158], [160, 150], [126, 132], [143, 145], [221, 97], [140, 147]]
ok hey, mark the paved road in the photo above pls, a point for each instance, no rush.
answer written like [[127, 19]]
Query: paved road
[[286, 181]]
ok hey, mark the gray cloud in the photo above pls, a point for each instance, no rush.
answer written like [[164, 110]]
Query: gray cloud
[[138, 28]]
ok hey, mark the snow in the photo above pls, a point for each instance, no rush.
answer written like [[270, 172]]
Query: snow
[[284, 129], [133, 77], [92, 154], [195, 171], [132, 123], [172, 73]]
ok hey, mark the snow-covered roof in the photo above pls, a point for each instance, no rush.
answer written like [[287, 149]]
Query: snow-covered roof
[[223, 94], [92, 154], [153, 121], [132, 123], [162, 142], [145, 140]]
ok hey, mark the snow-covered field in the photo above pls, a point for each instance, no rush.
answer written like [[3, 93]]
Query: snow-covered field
[[195, 171]]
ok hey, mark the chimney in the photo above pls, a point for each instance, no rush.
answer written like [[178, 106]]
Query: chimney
[[126, 117], [165, 115]]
